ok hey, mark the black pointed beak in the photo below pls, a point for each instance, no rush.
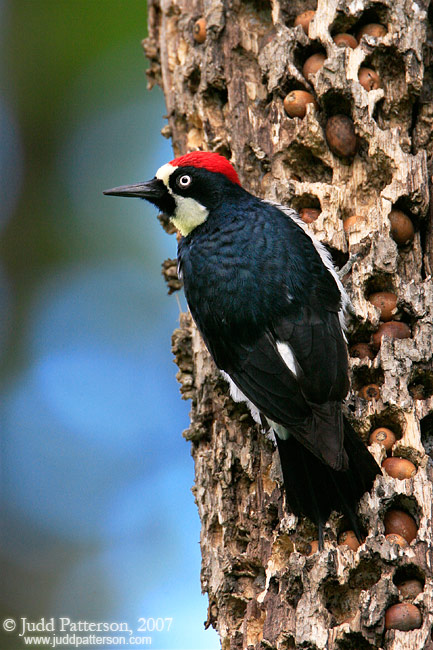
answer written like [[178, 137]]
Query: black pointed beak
[[153, 190]]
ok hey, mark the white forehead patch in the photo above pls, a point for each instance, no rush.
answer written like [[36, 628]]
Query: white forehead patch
[[164, 172], [189, 213]]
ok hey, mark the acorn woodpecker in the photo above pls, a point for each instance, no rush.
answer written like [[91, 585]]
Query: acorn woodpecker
[[270, 307]]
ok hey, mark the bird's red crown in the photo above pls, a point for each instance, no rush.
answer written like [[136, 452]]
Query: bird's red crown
[[213, 162]]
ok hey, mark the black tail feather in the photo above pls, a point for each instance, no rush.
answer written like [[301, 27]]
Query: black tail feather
[[315, 490]]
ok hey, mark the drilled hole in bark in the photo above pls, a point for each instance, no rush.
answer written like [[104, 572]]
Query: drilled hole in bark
[[236, 608], [390, 418], [305, 201], [379, 169], [342, 24], [396, 108], [365, 376], [292, 589], [290, 10], [215, 96], [379, 283], [305, 166], [406, 504], [339, 258], [344, 524], [421, 383], [426, 425], [260, 10], [342, 600], [407, 204], [354, 641], [376, 13], [193, 80], [303, 52], [337, 103], [408, 572]]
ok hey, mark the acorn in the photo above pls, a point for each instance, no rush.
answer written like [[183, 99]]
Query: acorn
[[398, 521], [345, 40], [308, 215], [386, 302], [313, 547], [199, 30], [304, 20], [400, 468], [373, 29], [403, 616], [384, 437], [295, 103], [341, 136], [369, 79], [351, 222], [348, 538], [402, 230], [394, 329], [393, 538], [313, 64], [371, 391], [361, 351], [410, 589]]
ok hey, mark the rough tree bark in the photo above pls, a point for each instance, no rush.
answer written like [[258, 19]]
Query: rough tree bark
[[226, 95]]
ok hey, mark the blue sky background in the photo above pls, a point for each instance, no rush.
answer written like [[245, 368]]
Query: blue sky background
[[97, 518]]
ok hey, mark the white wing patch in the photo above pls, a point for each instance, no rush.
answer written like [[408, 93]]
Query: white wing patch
[[286, 353]]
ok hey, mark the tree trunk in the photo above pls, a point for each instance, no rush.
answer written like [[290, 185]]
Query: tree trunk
[[226, 94]]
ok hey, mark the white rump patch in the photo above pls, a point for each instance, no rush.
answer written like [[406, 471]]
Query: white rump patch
[[286, 353], [238, 396]]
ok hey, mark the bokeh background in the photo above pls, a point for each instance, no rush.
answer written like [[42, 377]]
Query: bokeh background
[[97, 518]]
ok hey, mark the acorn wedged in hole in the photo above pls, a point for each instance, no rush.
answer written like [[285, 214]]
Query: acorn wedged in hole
[[361, 351], [402, 230], [308, 215], [400, 468], [372, 29], [295, 103], [371, 391], [394, 538], [348, 538], [386, 302], [304, 20], [403, 616], [369, 79], [313, 547], [410, 589], [399, 522], [394, 329], [384, 437], [345, 40], [341, 136], [313, 64], [351, 222], [199, 30]]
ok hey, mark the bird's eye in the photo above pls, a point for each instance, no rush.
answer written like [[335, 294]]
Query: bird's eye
[[184, 181]]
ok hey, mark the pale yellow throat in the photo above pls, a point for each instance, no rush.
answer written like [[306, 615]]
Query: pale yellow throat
[[189, 213]]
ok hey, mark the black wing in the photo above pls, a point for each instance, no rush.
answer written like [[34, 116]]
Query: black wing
[[307, 403]]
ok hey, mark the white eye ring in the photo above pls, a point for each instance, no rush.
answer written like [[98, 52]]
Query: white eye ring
[[184, 181]]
